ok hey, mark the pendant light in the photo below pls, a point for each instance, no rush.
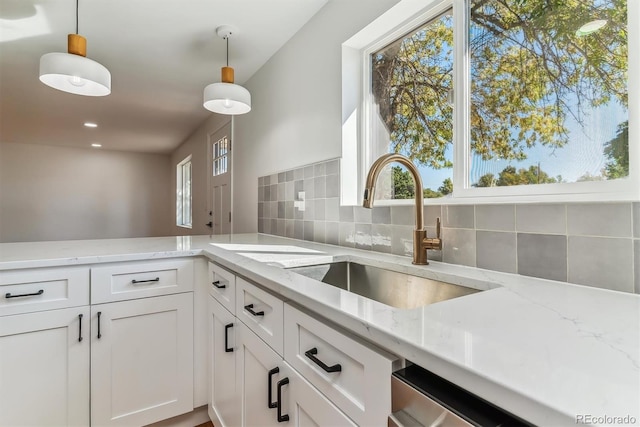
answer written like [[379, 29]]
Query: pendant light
[[227, 97], [73, 72]]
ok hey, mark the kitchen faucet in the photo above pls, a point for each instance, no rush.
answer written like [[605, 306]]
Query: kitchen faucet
[[420, 240]]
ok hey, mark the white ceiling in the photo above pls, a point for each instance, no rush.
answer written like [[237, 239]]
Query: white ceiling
[[161, 55]]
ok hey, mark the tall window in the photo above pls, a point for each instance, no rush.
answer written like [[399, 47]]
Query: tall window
[[541, 101], [183, 193]]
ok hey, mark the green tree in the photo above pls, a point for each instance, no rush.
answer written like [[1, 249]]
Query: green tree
[[527, 63], [430, 194], [446, 187], [403, 185], [486, 180], [512, 176], [617, 151]]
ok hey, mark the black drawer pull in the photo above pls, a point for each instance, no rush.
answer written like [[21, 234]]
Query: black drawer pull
[[271, 404], [311, 355], [226, 338], [249, 308], [8, 294], [218, 285], [80, 327], [135, 282], [285, 417], [99, 334]]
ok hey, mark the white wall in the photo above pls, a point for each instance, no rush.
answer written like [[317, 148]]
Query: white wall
[[196, 146], [63, 193], [296, 116]]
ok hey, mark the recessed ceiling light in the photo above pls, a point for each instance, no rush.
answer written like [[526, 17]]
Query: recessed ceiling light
[[90, 125], [96, 145]]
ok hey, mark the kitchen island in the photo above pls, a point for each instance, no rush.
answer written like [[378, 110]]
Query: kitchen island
[[551, 353]]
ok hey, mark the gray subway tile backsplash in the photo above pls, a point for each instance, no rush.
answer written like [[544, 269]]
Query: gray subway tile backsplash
[[496, 217], [543, 218], [458, 216], [585, 243], [381, 215], [601, 262], [542, 255], [636, 220], [459, 246], [599, 219], [636, 268], [496, 250]]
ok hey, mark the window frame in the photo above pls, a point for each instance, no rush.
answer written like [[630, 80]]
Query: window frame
[[181, 199], [401, 20]]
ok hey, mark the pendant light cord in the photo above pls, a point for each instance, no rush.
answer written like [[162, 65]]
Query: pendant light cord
[[227, 50], [77, 16]]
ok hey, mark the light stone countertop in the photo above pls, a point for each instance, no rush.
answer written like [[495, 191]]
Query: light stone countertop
[[543, 350]]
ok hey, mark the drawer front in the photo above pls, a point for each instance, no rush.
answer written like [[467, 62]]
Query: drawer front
[[27, 291], [354, 376], [222, 286], [118, 282], [261, 312]]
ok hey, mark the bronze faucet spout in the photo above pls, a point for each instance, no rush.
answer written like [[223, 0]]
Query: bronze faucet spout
[[420, 241]]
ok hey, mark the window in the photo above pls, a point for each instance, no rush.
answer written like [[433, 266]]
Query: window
[[541, 107], [220, 156], [183, 192]]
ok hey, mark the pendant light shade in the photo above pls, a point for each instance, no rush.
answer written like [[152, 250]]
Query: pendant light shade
[[73, 72], [227, 97]]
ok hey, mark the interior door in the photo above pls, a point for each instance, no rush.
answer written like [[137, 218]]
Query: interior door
[[220, 160]]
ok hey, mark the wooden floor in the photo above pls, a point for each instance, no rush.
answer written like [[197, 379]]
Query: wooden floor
[[209, 424]]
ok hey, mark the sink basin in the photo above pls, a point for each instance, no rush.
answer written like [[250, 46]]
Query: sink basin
[[398, 290]]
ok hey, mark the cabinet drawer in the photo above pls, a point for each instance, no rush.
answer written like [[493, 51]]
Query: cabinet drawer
[[261, 312], [355, 376], [118, 282], [222, 286], [26, 291]]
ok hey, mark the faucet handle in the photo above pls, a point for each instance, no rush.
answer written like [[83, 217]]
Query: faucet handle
[[438, 227]]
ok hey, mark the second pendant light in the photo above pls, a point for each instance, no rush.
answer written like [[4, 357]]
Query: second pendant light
[[227, 97]]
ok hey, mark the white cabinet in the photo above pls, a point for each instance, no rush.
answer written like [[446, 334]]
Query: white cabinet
[[141, 360], [65, 363], [44, 368], [269, 363], [224, 401], [274, 393], [353, 374]]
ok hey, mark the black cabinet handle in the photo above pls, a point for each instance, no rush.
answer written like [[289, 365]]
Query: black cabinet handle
[[270, 403], [135, 282], [80, 327], [311, 355], [226, 338], [285, 417], [99, 334], [218, 285], [8, 294], [249, 308]]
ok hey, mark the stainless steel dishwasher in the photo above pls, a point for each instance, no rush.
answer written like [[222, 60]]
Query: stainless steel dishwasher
[[421, 398]]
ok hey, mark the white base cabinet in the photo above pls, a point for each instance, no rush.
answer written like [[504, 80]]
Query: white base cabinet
[[44, 368], [141, 360], [273, 393], [224, 401]]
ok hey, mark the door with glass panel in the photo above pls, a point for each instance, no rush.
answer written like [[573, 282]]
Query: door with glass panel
[[220, 162]]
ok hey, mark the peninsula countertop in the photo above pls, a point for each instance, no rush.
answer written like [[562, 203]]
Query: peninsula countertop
[[552, 353]]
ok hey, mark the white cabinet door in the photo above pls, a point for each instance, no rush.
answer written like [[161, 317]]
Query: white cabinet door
[[44, 368], [141, 360], [259, 368], [224, 401], [308, 407]]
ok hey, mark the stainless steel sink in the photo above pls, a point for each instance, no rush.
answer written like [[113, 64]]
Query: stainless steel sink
[[388, 287]]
